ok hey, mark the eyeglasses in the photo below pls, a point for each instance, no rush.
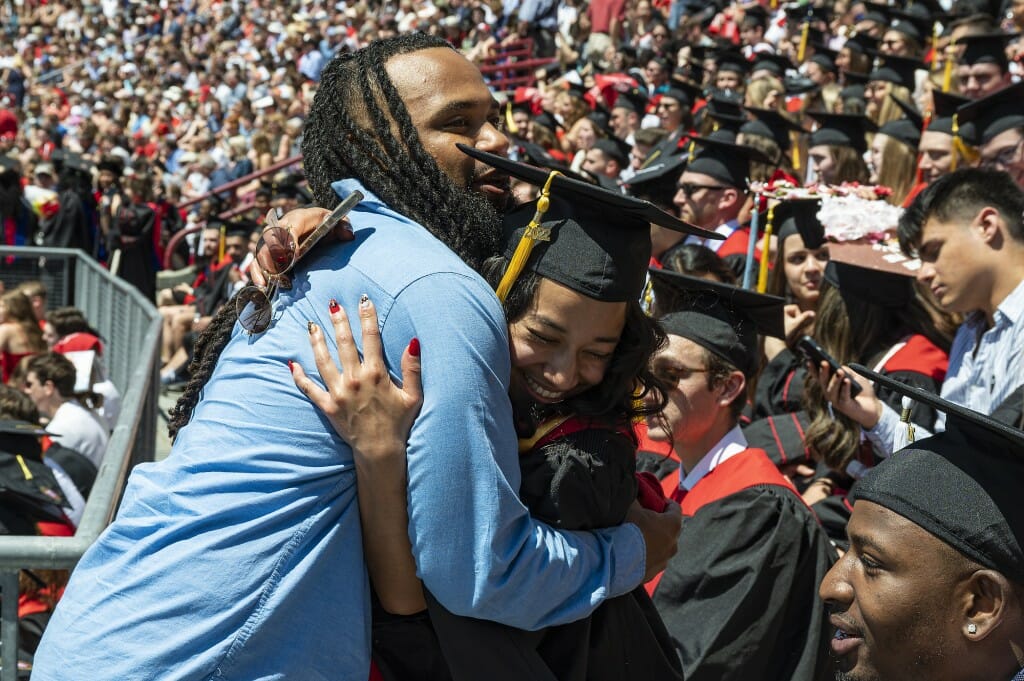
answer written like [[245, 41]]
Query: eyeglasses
[[276, 254], [671, 375], [689, 189], [1003, 159]]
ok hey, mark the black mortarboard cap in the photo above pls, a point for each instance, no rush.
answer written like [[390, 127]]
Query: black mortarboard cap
[[733, 61], [36, 493], [656, 181], [776, 64], [876, 12], [240, 227], [800, 216], [74, 161], [615, 149], [599, 117], [600, 241], [691, 90], [903, 24], [800, 85], [755, 15], [546, 120], [862, 43], [996, 113], [906, 130], [884, 288], [962, 485], [824, 57], [989, 48], [112, 164], [898, 70], [854, 78], [531, 152], [841, 130], [666, 168], [723, 319], [944, 106], [726, 110], [679, 94], [725, 161], [771, 124]]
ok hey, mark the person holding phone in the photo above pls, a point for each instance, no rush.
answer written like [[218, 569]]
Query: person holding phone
[[869, 313]]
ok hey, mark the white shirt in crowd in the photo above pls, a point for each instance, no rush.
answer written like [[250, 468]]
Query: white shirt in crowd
[[81, 430]]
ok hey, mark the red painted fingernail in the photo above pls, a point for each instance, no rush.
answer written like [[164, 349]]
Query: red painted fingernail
[[333, 306], [414, 347], [291, 366]]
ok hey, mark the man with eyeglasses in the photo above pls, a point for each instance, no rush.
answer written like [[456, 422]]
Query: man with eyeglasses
[[740, 599], [999, 122], [712, 191]]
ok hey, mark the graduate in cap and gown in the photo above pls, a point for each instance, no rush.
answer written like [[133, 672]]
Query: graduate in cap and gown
[[835, 150], [983, 68], [713, 192], [946, 142], [869, 312], [800, 262], [740, 597], [893, 153], [571, 277], [933, 583], [999, 129]]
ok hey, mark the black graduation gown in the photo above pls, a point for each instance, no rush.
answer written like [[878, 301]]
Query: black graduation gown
[[583, 480], [740, 597], [577, 481], [70, 226], [780, 387], [132, 233]]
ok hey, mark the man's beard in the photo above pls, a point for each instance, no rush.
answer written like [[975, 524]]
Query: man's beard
[[477, 236]]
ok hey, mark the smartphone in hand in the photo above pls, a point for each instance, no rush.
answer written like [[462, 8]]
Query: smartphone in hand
[[816, 354]]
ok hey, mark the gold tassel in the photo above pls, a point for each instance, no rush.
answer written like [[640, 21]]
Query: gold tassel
[[935, 45], [794, 151], [222, 244], [693, 146], [762, 273], [947, 72], [534, 233], [510, 125], [24, 469], [805, 33]]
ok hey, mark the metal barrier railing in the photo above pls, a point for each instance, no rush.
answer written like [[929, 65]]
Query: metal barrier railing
[[131, 326]]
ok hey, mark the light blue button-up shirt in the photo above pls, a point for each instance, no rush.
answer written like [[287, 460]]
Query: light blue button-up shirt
[[986, 364], [240, 555]]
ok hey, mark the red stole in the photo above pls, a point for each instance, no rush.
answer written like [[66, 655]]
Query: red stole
[[747, 469]]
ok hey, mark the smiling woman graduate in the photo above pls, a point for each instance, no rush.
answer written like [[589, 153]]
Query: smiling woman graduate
[[570, 278]]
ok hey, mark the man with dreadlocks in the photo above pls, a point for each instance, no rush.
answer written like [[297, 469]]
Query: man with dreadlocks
[[240, 555]]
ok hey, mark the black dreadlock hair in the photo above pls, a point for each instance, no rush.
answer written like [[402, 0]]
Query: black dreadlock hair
[[358, 105], [208, 346], [350, 133]]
